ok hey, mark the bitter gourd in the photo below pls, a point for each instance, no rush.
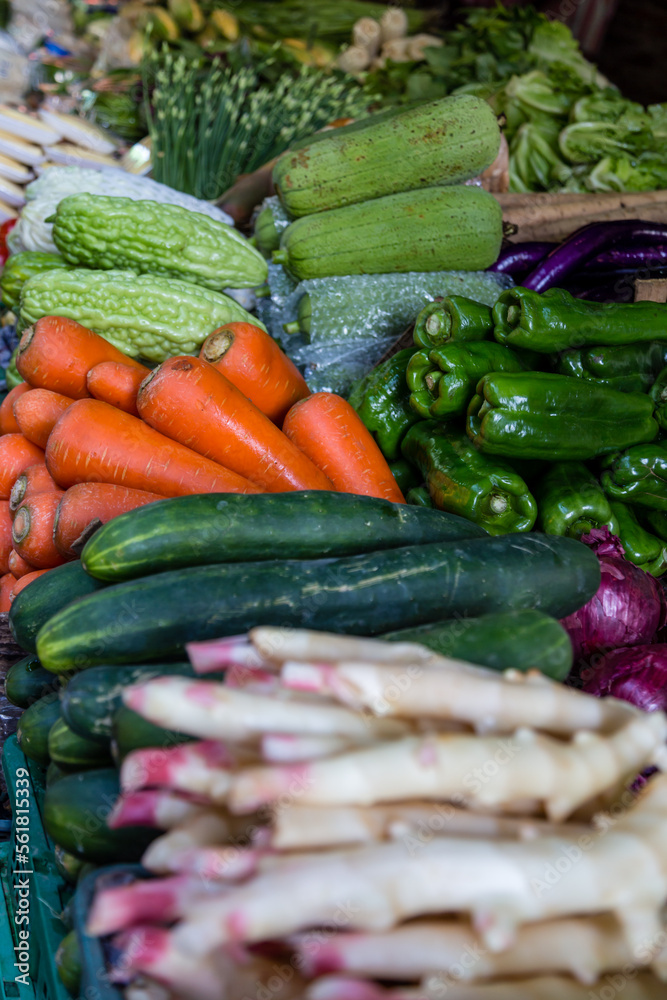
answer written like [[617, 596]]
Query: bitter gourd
[[92, 230], [21, 266], [437, 229], [441, 142], [142, 315]]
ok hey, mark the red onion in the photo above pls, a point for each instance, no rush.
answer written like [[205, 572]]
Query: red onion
[[628, 608], [637, 675]]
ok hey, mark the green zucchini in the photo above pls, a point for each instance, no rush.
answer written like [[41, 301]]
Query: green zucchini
[[520, 640], [130, 731], [74, 814], [68, 866], [91, 696], [364, 595], [440, 142], [238, 527], [437, 229], [68, 963], [32, 733], [68, 749], [27, 681], [33, 606]]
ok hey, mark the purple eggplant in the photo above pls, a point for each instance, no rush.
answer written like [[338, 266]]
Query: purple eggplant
[[520, 258]]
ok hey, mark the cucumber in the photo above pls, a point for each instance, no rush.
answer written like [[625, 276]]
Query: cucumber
[[68, 963], [520, 640], [27, 681], [436, 229], [32, 733], [68, 866], [74, 814], [91, 696], [68, 749], [237, 527], [130, 731], [364, 595], [55, 772], [47, 595]]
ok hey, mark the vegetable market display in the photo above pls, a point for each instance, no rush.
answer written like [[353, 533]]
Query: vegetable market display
[[340, 731]]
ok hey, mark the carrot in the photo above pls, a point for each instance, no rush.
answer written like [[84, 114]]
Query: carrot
[[5, 535], [25, 580], [35, 479], [18, 566], [192, 402], [94, 442], [8, 423], [37, 413], [57, 354], [253, 362], [32, 531], [86, 507], [6, 585], [116, 383], [16, 454], [329, 431]]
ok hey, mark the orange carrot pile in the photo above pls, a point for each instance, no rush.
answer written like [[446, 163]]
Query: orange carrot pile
[[37, 413], [93, 441], [32, 531], [5, 535], [16, 454], [25, 580], [116, 383], [57, 354], [253, 362], [6, 586], [190, 401], [8, 423], [18, 566], [327, 429], [34, 479], [87, 506]]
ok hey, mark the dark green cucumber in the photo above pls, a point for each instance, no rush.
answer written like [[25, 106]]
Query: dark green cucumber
[[68, 749], [204, 529], [91, 696], [75, 811], [364, 595], [32, 733], [130, 731], [68, 866], [49, 594], [522, 640], [55, 772], [68, 963], [27, 681]]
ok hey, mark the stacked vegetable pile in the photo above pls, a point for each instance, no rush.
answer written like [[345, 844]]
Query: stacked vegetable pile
[[546, 410], [330, 827], [361, 205]]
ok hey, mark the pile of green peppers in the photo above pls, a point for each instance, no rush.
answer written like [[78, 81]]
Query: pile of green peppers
[[544, 412]]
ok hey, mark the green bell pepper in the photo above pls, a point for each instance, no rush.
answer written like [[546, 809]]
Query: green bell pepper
[[658, 394], [463, 481], [639, 476], [555, 321], [628, 368], [442, 380], [570, 501], [405, 475], [453, 318], [419, 496], [541, 415], [382, 400], [641, 547]]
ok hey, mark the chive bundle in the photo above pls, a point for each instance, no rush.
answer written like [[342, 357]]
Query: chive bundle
[[210, 124]]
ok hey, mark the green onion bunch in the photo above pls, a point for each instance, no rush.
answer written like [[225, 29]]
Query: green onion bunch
[[208, 124]]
